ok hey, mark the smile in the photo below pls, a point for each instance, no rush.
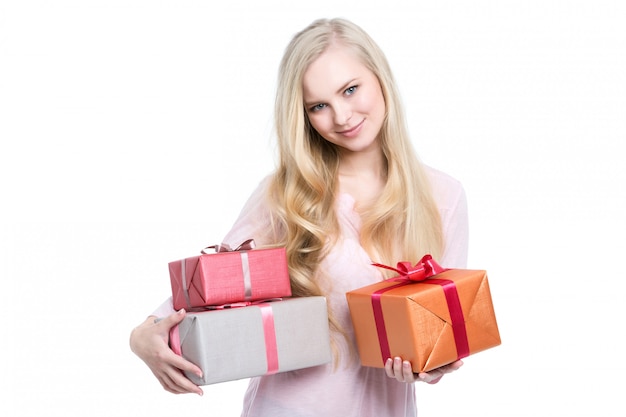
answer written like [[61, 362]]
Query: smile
[[353, 131]]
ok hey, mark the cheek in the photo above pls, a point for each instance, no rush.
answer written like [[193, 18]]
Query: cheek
[[319, 122], [371, 102]]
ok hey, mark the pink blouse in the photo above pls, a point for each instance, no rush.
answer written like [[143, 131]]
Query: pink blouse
[[347, 389]]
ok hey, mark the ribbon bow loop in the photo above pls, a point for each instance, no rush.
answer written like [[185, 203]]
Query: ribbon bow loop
[[425, 268], [225, 247], [415, 272]]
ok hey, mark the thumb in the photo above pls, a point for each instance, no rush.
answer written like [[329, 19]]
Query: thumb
[[173, 319]]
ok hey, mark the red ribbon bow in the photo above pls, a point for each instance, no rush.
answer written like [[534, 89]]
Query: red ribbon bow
[[425, 268]]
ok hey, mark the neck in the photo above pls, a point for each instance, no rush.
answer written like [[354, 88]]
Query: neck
[[363, 176], [366, 164]]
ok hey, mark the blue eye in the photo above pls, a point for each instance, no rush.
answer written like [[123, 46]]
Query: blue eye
[[318, 107], [350, 90]]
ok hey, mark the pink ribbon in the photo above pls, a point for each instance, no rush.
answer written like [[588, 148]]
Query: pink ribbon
[[269, 332], [421, 273]]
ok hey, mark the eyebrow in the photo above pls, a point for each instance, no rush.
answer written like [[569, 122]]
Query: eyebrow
[[339, 90]]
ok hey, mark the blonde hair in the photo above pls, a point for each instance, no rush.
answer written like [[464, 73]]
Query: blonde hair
[[403, 225]]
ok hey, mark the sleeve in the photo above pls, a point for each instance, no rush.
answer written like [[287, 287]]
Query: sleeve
[[456, 233], [165, 309], [452, 202], [254, 220]]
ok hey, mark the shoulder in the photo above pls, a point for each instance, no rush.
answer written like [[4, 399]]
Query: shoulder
[[254, 220], [260, 193]]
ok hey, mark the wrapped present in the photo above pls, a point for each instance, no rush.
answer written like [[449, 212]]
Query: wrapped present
[[229, 276], [259, 339], [427, 315]]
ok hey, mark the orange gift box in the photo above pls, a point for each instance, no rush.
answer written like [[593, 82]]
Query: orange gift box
[[431, 322]]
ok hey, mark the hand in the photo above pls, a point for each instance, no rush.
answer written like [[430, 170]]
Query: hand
[[402, 371], [150, 340]]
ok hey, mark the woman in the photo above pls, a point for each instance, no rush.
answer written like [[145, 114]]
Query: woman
[[348, 191]]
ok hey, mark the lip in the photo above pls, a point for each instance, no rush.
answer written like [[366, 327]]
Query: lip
[[353, 131]]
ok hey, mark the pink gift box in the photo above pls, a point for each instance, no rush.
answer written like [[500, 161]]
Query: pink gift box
[[229, 277]]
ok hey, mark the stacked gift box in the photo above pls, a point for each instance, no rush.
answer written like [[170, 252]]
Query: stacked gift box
[[241, 320]]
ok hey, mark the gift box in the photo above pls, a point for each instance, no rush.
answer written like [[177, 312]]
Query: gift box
[[427, 315], [259, 339], [229, 276]]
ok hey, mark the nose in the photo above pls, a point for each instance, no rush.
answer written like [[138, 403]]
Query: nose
[[342, 114]]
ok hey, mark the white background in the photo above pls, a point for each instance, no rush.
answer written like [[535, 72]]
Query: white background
[[133, 131]]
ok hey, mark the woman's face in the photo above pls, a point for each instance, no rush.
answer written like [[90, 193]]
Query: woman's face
[[343, 100]]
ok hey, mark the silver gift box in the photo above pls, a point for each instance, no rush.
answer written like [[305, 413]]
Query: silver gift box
[[255, 340]]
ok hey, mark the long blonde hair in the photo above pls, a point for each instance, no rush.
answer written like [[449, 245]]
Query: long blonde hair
[[405, 222]]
